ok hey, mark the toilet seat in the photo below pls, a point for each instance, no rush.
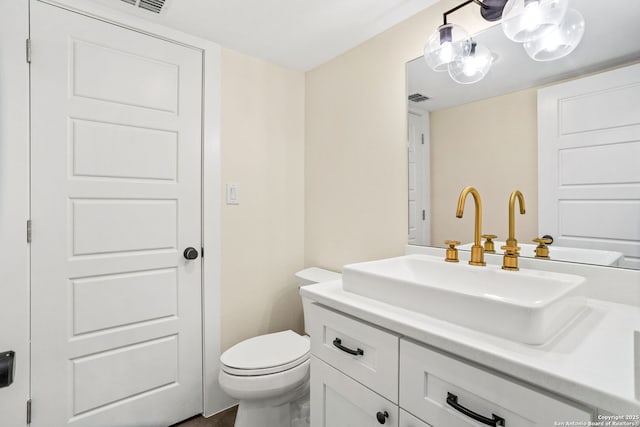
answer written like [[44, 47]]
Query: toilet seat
[[266, 354], [272, 386], [265, 371]]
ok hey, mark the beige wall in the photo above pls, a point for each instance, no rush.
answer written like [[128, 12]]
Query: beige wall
[[262, 133], [491, 145], [356, 165]]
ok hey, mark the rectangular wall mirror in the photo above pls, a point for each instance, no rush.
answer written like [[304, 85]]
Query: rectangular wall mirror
[[487, 135]]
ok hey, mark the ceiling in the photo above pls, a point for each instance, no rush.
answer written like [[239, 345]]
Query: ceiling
[[300, 34]]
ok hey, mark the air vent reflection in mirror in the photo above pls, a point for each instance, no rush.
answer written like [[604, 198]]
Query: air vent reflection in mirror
[[418, 97]]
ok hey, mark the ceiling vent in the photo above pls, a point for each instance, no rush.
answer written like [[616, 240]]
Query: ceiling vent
[[154, 6], [418, 97]]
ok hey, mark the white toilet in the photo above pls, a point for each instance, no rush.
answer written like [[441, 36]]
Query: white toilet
[[269, 374]]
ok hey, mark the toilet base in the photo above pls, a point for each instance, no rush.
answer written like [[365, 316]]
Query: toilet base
[[288, 410]]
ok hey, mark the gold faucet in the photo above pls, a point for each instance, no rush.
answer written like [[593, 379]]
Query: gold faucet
[[477, 251], [511, 241]]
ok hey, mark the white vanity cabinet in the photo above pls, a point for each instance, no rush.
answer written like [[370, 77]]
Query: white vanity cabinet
[[354, 371], [362, 375]]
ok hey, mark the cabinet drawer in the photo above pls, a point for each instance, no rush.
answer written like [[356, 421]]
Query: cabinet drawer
[[375, 362], [340, 401], [428, 378]]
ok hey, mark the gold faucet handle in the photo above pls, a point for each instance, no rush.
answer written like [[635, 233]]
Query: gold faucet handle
[[488, 244], [542, 250], [511, 250], [452, 252], [510, 257], [543, 241]]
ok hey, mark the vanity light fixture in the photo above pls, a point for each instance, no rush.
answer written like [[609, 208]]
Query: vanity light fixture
[[548, 29], [444, 45], [560, 41], [471, 64], [528, 20], [451, 48]]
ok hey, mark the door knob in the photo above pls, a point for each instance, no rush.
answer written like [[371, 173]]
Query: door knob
[[190, 253], [7, 368], [382, 417]]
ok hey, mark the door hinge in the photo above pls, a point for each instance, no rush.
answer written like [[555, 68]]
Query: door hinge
[[422, 138], [28, 231], [424, 215], [28, 51], [29, 411]]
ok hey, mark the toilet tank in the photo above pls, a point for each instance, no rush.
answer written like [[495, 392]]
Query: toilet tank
[[309, 276]]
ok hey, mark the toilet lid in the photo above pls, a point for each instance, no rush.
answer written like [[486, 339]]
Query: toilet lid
[[265, 352]]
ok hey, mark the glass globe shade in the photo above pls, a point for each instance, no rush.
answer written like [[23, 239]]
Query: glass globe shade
[[472, 64], [527, 20], [559, 42], [443, 45]]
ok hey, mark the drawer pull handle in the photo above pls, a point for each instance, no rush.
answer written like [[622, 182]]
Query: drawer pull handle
[[382, 417], [338, 343], [452, 400]]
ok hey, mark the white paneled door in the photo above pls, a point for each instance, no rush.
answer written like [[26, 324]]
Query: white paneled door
[[589, 175], [419, 181], [116, 199]]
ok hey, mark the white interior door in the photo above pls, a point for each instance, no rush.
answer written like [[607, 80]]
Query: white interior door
[[589, 175], [419, 180], [116, 198]]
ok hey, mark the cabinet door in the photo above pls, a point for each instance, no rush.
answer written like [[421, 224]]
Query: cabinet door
[[338, 400], [408, 420]]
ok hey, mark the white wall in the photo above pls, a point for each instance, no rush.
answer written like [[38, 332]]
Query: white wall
[[263, 236], [356, 161]]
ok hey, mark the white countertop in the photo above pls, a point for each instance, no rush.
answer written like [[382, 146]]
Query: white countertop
[[590, 361]]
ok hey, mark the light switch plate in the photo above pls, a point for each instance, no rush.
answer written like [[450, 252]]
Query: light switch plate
[[233, 194]]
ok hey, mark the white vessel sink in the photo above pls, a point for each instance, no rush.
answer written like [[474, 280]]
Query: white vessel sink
[[528, 306], [563, 253]]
